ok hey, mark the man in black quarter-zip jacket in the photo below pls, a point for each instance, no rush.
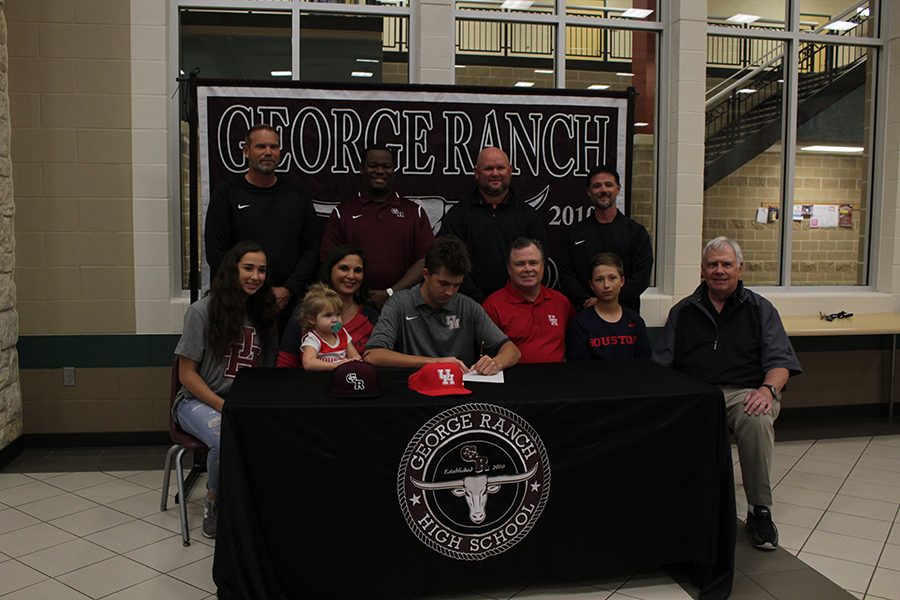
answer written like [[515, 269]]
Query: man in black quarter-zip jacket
[[270, 210], [726, 335]]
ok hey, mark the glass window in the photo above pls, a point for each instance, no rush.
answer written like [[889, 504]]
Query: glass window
[[234, 44], [840, 17], [505, 54], [227, 44], [617, 59], [508, 6], [352, 48], [250, 44], [358, 2], [742, 175], [831, 182], [746, 15], [634, 10]]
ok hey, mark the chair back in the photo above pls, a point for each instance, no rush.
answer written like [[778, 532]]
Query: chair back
[[179, 435]]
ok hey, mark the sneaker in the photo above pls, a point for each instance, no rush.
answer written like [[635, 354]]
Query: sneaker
[[761, 527], [210, 512]]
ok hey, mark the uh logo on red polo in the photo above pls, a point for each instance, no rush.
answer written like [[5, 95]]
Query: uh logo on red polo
[[473, 481]]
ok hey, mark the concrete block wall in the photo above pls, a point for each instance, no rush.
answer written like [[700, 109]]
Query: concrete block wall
[[89, 148], [819, 256], [70, 105]]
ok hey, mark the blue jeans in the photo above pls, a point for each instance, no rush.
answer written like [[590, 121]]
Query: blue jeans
[[204, 423]]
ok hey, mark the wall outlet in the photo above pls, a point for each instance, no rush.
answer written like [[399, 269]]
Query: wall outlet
[[69, 376]]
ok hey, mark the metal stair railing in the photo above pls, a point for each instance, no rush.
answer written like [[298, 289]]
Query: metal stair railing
[[733, 117]]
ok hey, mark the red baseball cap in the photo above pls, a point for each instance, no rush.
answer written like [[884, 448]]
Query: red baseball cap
[[438, 379]]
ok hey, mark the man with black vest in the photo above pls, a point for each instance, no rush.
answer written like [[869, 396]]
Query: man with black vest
[[729, 336]]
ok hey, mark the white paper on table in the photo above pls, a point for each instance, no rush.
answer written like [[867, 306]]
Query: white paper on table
[[826, 215], [496, 378], [762, 215]]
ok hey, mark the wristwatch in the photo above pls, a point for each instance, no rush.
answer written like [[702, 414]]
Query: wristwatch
[[772, 389], [390, 292]]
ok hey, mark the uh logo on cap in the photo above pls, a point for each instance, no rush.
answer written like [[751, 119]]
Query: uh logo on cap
[[438, 379]]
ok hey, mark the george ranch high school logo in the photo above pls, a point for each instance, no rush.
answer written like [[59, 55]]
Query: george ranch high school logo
[[355, 381], [473, 481]]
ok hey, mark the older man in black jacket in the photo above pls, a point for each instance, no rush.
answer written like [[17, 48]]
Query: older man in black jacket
[[729, 336]]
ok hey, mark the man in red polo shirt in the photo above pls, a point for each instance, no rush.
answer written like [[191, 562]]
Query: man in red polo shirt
[[393, 232], [533, 316]]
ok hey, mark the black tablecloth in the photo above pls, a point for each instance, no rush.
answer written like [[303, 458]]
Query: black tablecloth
[[640, 476]]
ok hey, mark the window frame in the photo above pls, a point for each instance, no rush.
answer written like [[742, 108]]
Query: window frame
[[793, 38]]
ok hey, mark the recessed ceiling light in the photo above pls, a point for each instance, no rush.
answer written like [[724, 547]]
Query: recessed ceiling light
[[840, 25], [835, 149], [742, 18], [460, 66], [598, 86], [544, 71], [368, 60], [641, 124], [361, 74], [625, 74], [524, 83], [746, 91], [517, 4], [637, 13], [281, 73]]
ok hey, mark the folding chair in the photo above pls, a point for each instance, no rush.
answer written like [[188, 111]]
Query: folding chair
[[181, 443]]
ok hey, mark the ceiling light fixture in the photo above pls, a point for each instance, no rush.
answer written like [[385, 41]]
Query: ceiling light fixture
[[637, 13], [743, 19], [840, 26], [834, 149], [517, 4]]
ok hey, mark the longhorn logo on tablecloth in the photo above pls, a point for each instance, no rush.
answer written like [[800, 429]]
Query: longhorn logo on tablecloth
[[473, 481]]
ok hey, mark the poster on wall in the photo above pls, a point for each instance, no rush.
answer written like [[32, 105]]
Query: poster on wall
[[845, 216], [436, 132], [824, 216]]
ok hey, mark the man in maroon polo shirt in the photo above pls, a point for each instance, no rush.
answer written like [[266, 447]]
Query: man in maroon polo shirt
[[533, 316], [394, 233]]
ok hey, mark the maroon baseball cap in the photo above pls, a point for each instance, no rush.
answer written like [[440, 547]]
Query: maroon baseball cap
[[354, 379], [438, 379]]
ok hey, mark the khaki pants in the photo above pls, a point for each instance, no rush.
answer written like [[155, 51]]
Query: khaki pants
[[755, 435]]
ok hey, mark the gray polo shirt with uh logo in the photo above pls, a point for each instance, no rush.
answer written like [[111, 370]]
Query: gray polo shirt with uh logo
[[408, 325]]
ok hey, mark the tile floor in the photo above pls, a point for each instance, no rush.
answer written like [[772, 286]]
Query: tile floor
[[85, 523]]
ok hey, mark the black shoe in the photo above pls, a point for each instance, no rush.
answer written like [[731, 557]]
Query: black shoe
[[210, 512], [761, 527]]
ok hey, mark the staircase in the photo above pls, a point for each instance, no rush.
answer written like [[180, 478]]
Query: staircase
[[739, 126]]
